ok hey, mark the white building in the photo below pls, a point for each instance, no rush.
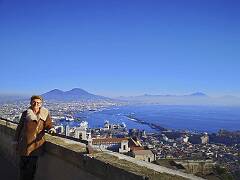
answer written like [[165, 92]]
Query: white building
[[144, 155], [115, 144], [165, 138], [67, 130], [59, 129], [83, 133], [106, 125]]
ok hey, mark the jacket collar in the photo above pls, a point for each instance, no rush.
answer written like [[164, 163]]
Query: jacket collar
[[43, 114]]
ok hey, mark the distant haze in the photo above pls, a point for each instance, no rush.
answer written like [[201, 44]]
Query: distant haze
[[192, 99], [78, 94]]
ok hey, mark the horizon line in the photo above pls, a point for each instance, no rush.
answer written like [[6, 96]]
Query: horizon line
[[26, 94]]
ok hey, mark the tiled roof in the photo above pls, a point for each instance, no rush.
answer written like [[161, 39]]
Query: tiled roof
[[136, 148]]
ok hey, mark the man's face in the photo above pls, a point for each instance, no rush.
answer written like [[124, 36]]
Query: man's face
[[36, 103]]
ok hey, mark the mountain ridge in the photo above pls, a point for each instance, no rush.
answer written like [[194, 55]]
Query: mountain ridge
[[195, 94], [75, 94]]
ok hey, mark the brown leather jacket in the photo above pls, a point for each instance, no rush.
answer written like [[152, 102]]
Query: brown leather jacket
[[30, 131]]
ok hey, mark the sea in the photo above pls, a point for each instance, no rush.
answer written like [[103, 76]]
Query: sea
[[190, 118]]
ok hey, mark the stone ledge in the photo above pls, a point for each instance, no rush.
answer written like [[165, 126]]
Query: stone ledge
[[72, 158]]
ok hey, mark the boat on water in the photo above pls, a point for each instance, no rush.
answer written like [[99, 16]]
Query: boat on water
[[68, 118], [92, 110]]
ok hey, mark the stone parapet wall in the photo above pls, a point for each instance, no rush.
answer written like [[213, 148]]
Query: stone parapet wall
[[67, 159]]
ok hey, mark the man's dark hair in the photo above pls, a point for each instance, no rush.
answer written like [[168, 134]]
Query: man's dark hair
[[36, 97]]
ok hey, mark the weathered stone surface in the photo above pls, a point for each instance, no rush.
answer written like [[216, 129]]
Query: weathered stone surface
[[67, 159]]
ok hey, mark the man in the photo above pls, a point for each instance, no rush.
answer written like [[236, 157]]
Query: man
[[29, 137]]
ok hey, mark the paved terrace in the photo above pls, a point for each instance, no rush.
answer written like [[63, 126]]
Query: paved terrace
[[68, 159], [8, 171]]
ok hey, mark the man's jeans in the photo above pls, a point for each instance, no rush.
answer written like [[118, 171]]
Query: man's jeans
[[28, 166]]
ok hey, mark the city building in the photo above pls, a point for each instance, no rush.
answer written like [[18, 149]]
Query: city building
[[115, 144], [144, 155], [199, 138]]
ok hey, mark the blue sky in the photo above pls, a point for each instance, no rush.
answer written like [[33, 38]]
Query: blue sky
[[126, 47]]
